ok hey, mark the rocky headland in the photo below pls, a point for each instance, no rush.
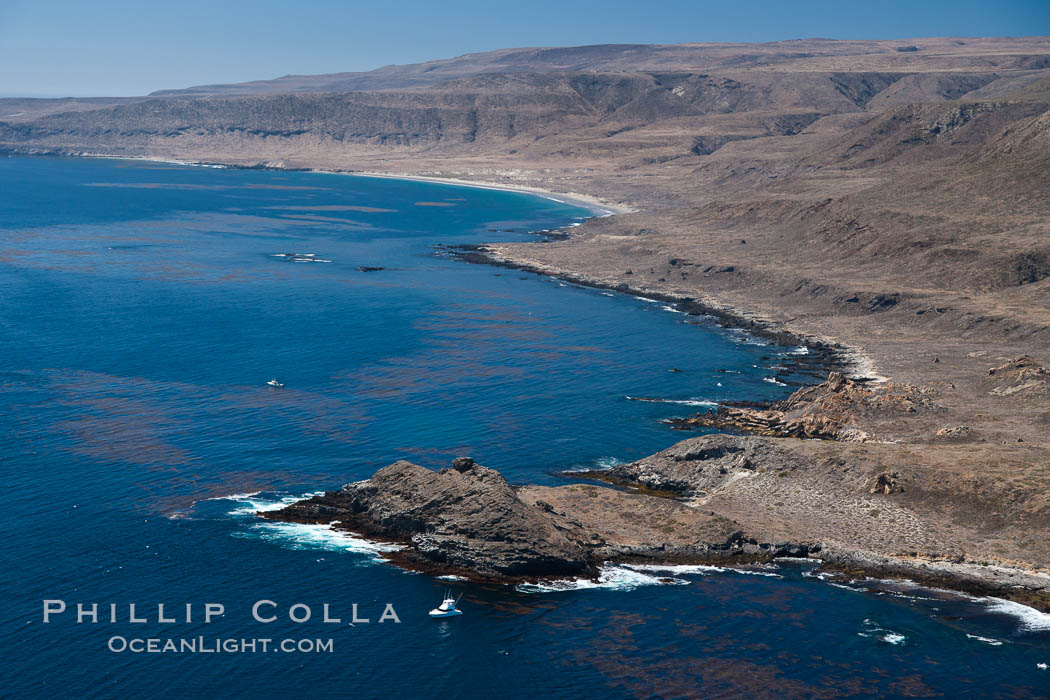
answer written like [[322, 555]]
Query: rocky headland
[[677, 506], [468, 520]]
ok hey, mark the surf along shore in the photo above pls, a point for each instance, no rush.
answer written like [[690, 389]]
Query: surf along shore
[[922, 457], [872, 475]]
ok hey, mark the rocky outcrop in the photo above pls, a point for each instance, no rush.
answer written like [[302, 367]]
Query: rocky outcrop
[[887, 483], [957, 432], [826, 411], [467, 517], [771, 423], [1021, 374], [698, 467]]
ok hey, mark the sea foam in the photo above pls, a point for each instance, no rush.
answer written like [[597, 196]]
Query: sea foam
[[617, 578], [299, 536], [252, 503], [627, 577], [872, 629], [1031, 619]]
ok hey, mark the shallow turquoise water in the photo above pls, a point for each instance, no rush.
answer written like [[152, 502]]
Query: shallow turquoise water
[[143, 306]]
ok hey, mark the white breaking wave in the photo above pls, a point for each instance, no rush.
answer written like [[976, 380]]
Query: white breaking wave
[[600, 464], [703, 569], [678, 569], [617, 578], [683, 402], [756, 572], [231, 497], [742, 336], [300, 536], [872, 629], [316, 537], [773, 380], [252, 503], [627, 577], [800, 350], [1031, 619]]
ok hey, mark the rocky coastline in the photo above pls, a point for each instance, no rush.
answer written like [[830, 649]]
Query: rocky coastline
[[885, 210], [467, 520], [820, 356], [854, 407]]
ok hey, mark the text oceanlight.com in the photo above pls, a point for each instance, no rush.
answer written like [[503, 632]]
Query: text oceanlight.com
[[203, 645]]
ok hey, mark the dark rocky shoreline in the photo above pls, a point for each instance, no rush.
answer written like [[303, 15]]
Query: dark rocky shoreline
[[653, 510], [820, 357], [467, 520]]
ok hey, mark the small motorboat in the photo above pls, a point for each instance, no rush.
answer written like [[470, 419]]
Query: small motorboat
[[447, 607], [274, 382]]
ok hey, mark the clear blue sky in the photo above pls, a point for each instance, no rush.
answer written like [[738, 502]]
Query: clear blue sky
[[117, 47]]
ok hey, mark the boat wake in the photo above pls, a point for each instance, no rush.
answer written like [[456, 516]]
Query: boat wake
[[986, 640], [681, 402]]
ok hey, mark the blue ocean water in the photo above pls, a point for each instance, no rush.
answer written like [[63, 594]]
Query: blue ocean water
[[144, 306]]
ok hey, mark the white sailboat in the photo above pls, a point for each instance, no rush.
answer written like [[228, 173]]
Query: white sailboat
[[447, 607]]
